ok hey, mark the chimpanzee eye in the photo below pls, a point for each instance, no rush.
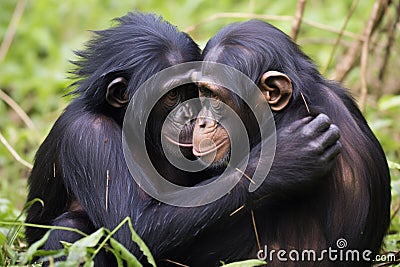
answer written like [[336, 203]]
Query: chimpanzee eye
[[203, 93], [172, 94], [215, 102], [172, 98]]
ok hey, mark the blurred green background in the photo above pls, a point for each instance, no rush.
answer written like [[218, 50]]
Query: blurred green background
[[42, 35]]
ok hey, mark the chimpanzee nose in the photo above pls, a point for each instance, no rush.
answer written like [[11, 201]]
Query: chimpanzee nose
[[201, 121], [205, 118]]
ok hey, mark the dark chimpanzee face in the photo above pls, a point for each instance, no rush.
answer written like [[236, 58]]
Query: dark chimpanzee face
[[175, 128], [171, 120], [211, 138]]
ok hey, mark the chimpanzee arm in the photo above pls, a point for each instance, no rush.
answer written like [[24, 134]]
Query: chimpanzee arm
[[310, 145], [96, 156]]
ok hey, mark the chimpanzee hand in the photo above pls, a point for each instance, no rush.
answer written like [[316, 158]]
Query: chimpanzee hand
[[306, 152], [314, 142]]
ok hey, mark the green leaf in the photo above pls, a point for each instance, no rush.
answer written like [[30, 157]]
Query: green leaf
[[30, 253], [123, 253], [143, 247], [393, 165], [388, 102], [392, 242], [78, 250], [89, 263], [246, 263], [395, 188], [2, 239]]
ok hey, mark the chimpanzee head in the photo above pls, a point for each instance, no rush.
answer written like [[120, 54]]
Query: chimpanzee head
[[120, 59], [252, 49]]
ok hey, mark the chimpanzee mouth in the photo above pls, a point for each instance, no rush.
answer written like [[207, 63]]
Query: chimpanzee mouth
[[177, 142], [208, 150]]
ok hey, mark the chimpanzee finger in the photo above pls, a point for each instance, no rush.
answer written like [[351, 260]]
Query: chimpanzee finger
[[294, 126], [331, 153], [318, 125], [330, 136]]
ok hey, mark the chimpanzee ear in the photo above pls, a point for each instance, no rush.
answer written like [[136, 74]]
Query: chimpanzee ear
[[117, 95], [277, 89]]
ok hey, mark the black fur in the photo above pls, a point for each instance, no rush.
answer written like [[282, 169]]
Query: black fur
[[71, 165], [353, 201]]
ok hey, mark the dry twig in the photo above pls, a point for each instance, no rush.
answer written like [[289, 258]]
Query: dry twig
[[390, 41], [268, 17], [12, 28], [339, 37], [107, 182], [374, 18], [20, 112], [245, 175], [176, 263], [236, 211], [305, 103], [298, 19], [255, 230], [14, 153], [348, 61]]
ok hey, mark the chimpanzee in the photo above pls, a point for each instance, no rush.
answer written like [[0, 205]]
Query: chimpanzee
[[349, 210], [80, 172]]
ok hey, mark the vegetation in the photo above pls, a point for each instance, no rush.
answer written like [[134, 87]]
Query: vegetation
[[351, 41]]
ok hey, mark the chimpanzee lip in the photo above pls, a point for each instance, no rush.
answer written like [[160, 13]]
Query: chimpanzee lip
[[198, 153], [178, 143]]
